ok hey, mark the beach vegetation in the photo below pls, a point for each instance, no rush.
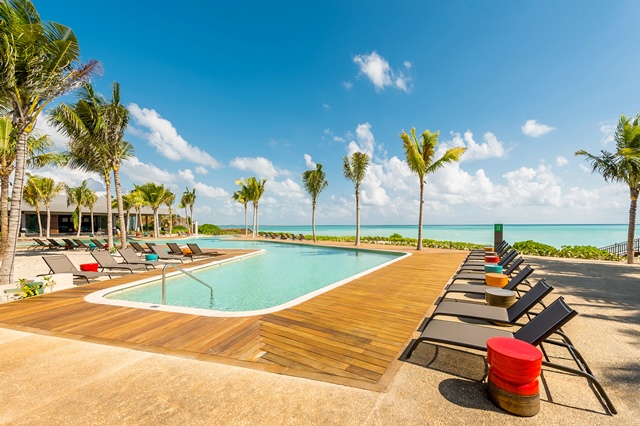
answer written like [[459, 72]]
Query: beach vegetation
[[95, 128], [533, 248], [38, 154], [242, 196], [78, 196], [44, 189], [355, 169], [39, 61], [169, 199], [314, 181], [253, 189], [421, 160], [153, 195], [209, 229], [622, 166], [187, 201]]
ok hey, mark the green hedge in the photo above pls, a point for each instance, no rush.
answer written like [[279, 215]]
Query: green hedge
[[573, 252]]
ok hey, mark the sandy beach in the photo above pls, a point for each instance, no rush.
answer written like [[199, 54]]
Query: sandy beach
[[56, 380]]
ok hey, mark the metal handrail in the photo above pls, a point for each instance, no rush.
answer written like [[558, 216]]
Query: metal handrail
[[164, 276]]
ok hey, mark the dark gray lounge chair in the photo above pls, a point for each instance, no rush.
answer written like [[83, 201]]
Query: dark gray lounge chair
[[40, 245], [131, 258], [479, 254], [480, 289], [99, 245], [81, 244], [106, 261], [535, 332], [55, 244], [494, 313], [138, 248], [163, 255], [197, 251], [480, 276], [69, 245], [174, 249], [479, 266], [60, 264]]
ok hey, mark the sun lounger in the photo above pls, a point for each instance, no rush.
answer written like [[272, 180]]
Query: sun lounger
[[60, 264], [69, 245], [55, 244], [106, 261], [480, 289], [480, 276], [132, 258], [495, 313], [139, 249], [535, 332], [81, 244], [174, 249], [301, 237], [99, 245], [479, 266], [40, 245], [197, 251], [163, 255]]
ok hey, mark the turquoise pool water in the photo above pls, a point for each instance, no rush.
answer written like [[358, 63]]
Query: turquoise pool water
[[281, 274]]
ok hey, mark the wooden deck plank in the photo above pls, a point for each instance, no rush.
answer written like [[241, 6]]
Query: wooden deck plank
[[350, 335]]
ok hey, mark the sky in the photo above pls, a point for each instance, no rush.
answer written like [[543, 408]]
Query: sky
[[220, 91]]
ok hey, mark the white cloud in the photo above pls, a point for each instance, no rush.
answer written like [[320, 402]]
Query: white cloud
[[338, 139], [210, 191], [365, 140], [72, 177], [161, 134], [202, 170], [286, 188], [326, 106], [490, 148], [186, 174], [561, 161], [608, 129], [347, 85], [60, 141], [136, 170], [585, 168], [309, 162], [407, 64], [534, 129], [261, 166], [378, 70]]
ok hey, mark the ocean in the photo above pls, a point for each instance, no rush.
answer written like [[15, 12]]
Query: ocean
[[553, 235]]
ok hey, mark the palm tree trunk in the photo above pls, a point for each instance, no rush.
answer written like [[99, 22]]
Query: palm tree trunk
[[91, 211], [313, 221], [170, 222], [186, 219], [358, 215], [419, 247], [107, 184], [632, 225], [155, 224], [246, 224], [4, 214], [39, 222], [80, 221], [8, 258], [255, 218], [123, 228], [255, 231], [48, 222]]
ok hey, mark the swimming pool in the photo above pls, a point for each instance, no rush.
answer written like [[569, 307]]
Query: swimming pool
[[278, 275]]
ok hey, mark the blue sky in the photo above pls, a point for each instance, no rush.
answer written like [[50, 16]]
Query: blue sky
[[227, 90]]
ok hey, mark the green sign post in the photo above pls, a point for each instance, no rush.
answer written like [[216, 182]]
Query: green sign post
[[497, 234]]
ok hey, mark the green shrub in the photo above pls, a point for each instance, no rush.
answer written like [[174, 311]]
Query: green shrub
[[209, 229], [179, 228], [586, 252], [395, 237], [535, 248]]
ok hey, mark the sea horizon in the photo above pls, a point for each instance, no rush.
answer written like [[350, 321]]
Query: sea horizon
[[556, 235]]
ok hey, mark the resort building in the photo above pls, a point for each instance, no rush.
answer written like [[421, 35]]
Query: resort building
[[62, 217]]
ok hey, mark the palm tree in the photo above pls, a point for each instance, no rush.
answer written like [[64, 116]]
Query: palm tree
[[38, 155], [420, 157], [355, 170], [242, 196], [153, 196], [38, 63], [315, 181], [136, 201], [32, 197], [47, 190], [623, 165], [255, 191], [188, 199], [92, 200], [96, 131], [78, 196], [169, 199]]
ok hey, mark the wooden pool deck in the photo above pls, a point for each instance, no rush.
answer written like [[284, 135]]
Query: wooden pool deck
[[350, 335]]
